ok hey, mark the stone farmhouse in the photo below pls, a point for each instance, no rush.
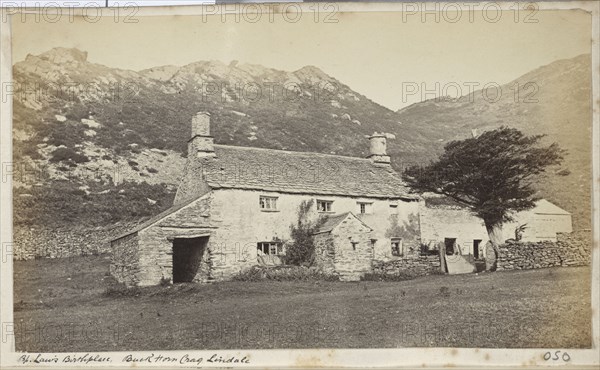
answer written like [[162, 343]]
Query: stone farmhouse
[[235, 205]]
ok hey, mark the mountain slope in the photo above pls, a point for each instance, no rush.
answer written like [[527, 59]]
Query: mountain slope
[[554, 100]]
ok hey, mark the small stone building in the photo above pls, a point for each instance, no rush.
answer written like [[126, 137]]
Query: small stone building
[[235, 205], [442, 220], [344, 246], [541, 223]]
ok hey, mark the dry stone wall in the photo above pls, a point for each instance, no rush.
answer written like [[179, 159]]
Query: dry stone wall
[[572, 249], [39, 242], [411, 266]]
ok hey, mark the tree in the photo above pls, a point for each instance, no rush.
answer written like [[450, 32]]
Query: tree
[[492, 174], [301, 250]]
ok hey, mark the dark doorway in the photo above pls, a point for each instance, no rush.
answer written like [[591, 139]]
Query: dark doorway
[[450, 244], [476, 243], [187, 258]]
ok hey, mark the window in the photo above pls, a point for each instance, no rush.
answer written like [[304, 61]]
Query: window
[[270, 248], [364, 207], [393, 208], [268, 203], [397, 247], [324, 205]]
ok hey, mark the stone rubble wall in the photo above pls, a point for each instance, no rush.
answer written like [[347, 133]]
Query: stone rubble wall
[[125, 258], [572, 249], [324, 252], [39, 242], [412, 265], [351, 262]]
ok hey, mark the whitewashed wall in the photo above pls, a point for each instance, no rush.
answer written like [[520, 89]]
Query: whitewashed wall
[[241, 222]]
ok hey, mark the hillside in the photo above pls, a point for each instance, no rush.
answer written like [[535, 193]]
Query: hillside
[[94, 125], [554, 100]]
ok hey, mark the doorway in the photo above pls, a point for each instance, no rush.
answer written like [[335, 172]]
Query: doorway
[[187, 258], [450, 244], [476, 243]]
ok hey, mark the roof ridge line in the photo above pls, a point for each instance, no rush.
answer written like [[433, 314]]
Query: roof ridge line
[[291, 151]]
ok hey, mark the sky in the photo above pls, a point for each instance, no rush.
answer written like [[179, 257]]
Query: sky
[[377, 54]]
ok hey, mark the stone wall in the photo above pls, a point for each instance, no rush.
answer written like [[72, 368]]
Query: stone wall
[[124, 263], [346, 251], [572, 249], [40, 242], [324, 252], [411, 266], [156, 241], [353, 255], [440, 223]]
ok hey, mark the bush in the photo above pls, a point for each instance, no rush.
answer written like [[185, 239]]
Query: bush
[[565, 172], [77, 112], [68, 155], [27, 148], [445, 291], [66, 134], [284, 273], [121, 290], [61, 202]]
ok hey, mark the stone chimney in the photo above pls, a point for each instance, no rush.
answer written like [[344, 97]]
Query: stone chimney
[[378, 152], [201, 144]]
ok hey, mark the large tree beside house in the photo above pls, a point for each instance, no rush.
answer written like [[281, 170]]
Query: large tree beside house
[[492, 174]]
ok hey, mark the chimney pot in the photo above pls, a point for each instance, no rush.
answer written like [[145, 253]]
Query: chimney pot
[[201, 124]]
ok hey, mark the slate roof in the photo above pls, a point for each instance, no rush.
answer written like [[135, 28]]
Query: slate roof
[[544, 207], [334, 220], [235, 167], [174, 208], [440, 201]]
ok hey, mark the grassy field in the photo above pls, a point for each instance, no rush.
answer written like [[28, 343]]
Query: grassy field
[[60, 306]]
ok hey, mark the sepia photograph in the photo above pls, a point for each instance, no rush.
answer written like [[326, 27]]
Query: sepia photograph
[[299, 177]]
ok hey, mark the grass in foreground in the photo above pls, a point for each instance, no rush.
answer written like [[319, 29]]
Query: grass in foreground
[[60, 306]]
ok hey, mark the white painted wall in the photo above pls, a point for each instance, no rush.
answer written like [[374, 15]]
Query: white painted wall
[[539, 226], [241, 222], [440, 223]]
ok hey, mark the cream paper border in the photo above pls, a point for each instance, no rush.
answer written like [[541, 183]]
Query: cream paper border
[[355, 358]]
